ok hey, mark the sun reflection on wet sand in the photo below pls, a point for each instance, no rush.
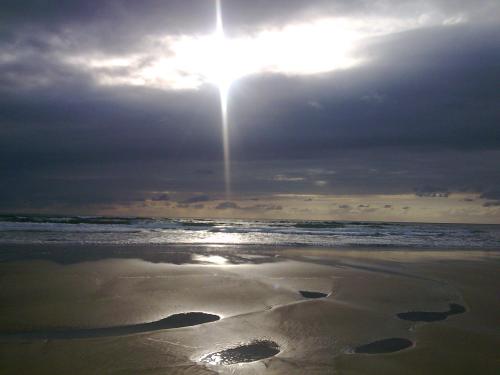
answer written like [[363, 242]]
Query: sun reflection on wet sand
[[214, 259]]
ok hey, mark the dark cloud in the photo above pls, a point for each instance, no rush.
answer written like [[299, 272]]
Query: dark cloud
[[227, 205], [432, 191], [257, 207], [196, 199], [491, 194], [111, 25], [301, 210], [494, 197], [161, 197], [266, 207], [205, 171], [128, 122], [491, 204], [414, 115]]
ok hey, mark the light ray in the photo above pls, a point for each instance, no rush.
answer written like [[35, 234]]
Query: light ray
[[224, 83]]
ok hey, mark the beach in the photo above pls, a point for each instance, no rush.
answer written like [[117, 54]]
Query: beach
[[249, 187], [220, 309]]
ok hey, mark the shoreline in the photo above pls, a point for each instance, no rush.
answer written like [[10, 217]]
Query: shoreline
[[175, 253]]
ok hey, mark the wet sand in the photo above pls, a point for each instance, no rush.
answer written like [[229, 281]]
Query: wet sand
[[282, 311]]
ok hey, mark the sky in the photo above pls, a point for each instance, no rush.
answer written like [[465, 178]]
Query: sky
[[337, 110]]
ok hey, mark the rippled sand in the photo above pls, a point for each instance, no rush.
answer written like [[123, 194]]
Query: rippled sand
[[289, 311]]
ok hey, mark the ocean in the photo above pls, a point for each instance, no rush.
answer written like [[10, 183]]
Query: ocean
[[40, 229]]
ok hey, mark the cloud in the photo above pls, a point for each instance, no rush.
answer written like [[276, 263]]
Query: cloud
[[491, 194], [314, 104], [374, 98], [320, 182], [227, 206], [196, 199], [256, 207], [205, 171], [161, 197], [432, 191], [494, 197], [169, 44], [72, 97], [491, 204], [281, 177], [265, 207]]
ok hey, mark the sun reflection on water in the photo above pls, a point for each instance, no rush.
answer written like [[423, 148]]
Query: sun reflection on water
[[220, 238]]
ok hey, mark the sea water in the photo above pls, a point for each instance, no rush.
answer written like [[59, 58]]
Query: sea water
[[130, 230]]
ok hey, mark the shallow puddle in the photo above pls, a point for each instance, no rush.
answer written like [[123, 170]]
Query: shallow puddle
[[431, 316], [244, 353], [308, 294]]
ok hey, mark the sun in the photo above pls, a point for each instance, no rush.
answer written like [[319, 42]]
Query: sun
[[222, 70], [301, 48]]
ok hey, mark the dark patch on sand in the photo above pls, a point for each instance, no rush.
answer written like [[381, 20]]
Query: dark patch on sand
[[431, 316], [307, 294], [183, 320], [173, 321], [384, 346], [254, 351]]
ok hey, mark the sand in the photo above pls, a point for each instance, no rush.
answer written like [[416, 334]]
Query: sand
[[282, 311]]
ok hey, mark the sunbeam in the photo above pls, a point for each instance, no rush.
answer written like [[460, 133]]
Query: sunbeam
[[223, 81]]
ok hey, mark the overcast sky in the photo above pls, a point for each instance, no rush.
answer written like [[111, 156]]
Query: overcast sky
[[343, 110]]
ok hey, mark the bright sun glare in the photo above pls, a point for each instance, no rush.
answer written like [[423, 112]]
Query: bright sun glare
[[309, 48], [220, 69], [304, 47]]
